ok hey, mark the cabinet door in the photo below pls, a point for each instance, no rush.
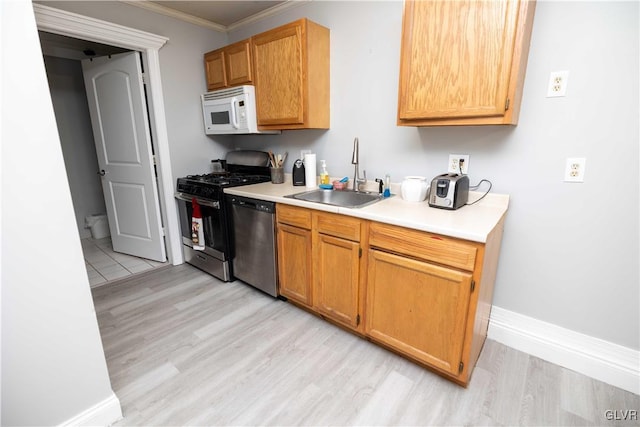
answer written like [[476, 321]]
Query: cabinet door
[[418, 308], [457, 57], [337, 278], [278, 59], [294, 263], [238, 63], [214, 64]]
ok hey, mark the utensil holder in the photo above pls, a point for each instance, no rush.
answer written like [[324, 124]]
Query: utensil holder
[[277, 175]]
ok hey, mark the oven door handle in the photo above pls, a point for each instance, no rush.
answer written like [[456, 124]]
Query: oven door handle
[[210, 203]]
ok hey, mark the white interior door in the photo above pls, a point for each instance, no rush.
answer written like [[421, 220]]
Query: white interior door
[[123, 143]]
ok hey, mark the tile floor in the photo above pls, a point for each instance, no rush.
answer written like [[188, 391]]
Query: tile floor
[[104, 265]]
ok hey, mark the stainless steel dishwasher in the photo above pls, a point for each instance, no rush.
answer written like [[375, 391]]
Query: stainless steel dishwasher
[[254, 243]]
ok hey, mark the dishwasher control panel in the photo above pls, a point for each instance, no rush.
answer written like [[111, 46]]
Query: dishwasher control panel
[[258, 205]]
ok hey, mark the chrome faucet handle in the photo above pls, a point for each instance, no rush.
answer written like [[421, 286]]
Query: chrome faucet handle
[[360, 181]]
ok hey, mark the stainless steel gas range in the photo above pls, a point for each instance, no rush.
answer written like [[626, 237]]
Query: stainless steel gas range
[[241, 167]]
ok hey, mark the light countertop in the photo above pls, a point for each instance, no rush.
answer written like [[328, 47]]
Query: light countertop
[[473, 222]]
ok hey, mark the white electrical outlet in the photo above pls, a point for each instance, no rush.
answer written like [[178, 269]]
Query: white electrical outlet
[[458, 163], [303, 152], [574, 169], [558, 81]]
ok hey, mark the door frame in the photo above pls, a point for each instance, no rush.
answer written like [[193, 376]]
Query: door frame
[[71, 24]]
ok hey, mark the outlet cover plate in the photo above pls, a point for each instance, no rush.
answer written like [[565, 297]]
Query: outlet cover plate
[[454, 159], [574, 169], [303, 152], [558, 81]]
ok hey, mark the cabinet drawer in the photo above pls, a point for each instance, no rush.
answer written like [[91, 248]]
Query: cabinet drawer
[[337, 226], [419, 244], [292, 215]]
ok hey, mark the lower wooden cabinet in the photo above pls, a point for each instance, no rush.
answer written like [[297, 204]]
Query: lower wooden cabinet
[[418, 308], [319, 258], [422, 295], [294, 254], [337, 268]]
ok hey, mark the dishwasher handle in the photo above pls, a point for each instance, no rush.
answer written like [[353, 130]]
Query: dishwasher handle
[[258, 205]]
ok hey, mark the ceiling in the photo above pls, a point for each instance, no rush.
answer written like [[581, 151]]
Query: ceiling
[[219, 15]]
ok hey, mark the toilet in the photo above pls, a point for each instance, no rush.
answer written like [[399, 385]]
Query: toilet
[[98, 224]]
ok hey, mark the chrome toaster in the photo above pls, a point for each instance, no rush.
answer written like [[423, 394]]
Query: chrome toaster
[[449, 191]]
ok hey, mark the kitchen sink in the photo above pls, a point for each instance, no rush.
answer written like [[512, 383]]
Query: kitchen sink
[[342, 198]]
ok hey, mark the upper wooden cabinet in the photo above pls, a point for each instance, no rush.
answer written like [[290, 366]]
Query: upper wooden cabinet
[[463, 62], [292, 76], [214, 70], [229, 66]]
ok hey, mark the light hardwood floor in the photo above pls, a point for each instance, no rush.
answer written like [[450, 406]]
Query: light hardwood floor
[[184, 348]]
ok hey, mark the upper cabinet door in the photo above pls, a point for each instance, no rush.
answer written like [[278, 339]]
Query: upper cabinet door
[[291, 66], [229, 66], [215, 70], [238, 63], [278, 55], [463, 62]]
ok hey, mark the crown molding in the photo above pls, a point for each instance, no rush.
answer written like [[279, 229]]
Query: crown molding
[[163, 10]]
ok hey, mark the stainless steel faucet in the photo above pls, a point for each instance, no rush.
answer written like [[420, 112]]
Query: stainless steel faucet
[[354, 161]]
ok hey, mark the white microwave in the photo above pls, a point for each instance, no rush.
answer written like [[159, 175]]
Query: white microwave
[[230, 111]]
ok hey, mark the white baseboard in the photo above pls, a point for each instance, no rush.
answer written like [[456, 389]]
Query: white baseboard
[[103, 413], [596, 358]]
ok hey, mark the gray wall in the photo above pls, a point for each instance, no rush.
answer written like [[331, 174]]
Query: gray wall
[[570, 251], [76, 136], [53, 364]]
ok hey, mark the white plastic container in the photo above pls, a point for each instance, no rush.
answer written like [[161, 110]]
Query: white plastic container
[[99, 226], [414, 188], [310, 170]]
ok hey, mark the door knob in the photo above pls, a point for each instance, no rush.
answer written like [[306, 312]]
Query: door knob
[[102, 172]]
